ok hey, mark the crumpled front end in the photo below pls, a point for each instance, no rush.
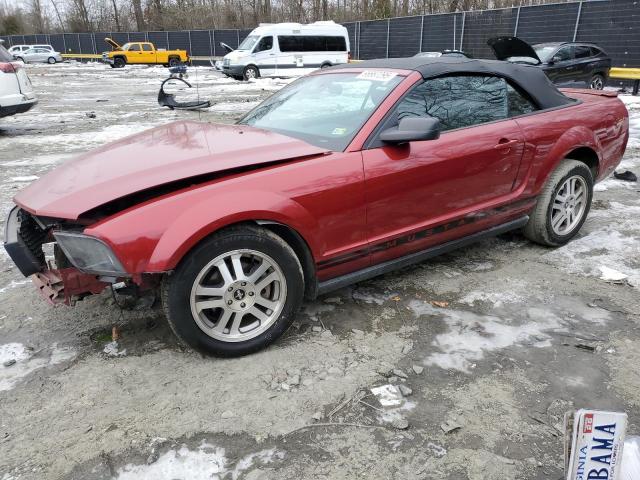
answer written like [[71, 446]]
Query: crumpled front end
[[56, 277]]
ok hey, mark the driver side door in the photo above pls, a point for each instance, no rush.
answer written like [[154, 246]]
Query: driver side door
[[423, 193], [265, 57]]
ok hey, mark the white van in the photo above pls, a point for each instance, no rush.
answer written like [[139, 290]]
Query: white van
[[288, 49]]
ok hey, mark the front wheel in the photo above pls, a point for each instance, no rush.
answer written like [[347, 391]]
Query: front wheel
[[119, 62], [235, 293], [250, 72], [597, 82], [562, 205], [51, 60]]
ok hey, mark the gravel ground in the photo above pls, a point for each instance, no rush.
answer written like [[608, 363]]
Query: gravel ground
[[496, 341]]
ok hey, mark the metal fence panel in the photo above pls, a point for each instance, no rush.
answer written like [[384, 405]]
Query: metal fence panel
[[617, 30], [71, 43], [179, 41], [159, 39], [56, 41], [137, 36], [373, 39], [483, 25], [404, 36], [119, 37], [200, 43], [230, 37], [548, 23], [86, 43], [438, 32]]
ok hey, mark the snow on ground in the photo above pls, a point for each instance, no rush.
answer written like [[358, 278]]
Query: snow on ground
[[18, 361], [206, 462]]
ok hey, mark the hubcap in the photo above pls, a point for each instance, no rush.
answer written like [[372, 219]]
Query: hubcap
[[569, 205], [238, 295], [251, 73]]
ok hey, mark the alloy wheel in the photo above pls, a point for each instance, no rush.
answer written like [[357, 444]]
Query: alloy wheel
[[238, 295], [569, 205], [597, 83]]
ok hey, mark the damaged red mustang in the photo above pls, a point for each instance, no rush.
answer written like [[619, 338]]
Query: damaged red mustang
[[341, 176]]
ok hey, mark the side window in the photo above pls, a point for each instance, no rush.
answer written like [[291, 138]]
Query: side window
[[458, 101], [595, 51], [313, 44], [290, 43], [146, 47], [518, 103], [564, 54], [336, 44], [582, 52], [134, 48], [265, 43]]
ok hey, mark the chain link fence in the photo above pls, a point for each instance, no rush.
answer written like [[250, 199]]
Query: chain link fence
[[612, 24]]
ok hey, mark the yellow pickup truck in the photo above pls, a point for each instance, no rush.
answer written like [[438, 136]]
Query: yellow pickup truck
[[145, 53]]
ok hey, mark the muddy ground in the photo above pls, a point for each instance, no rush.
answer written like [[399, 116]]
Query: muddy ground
[[518, 335]]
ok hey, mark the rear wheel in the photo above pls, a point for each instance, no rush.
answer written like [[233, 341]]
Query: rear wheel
[[562, 206], [51, 60], [235, 293], [597, 82], [174, 62], [20, 59], [250, 72]]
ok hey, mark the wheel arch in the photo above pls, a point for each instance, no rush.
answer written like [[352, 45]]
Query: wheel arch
[[589, 157]]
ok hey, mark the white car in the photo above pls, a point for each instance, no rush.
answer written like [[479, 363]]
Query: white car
[[37, 54], [17, 49], [16, 91]]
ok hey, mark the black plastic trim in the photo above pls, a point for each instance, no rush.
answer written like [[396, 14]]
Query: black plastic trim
[[390, 265]]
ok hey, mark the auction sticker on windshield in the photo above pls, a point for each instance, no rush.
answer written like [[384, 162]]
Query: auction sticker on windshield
[[377, 75]]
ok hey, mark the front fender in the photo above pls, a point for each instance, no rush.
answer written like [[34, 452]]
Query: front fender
[[153, 238], [200, 221]]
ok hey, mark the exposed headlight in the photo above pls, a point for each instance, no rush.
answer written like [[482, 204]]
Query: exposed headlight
[[89, 254]]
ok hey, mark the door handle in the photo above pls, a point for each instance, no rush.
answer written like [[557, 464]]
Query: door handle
[[505, 143]]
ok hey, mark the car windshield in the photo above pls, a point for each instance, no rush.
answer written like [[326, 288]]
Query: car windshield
[[325, 110], [127, 46], [545, 52], [249, 42]]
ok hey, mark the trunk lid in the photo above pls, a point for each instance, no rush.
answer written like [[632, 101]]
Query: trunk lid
[[513, 49], [162, 155]]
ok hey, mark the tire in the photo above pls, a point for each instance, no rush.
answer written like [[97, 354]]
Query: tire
[[549, 224], [51, 60], [119, 62], [20, 59], [199, 324], [112, 65], [325, 65], [250, 72], [597, 82], [174, 62]]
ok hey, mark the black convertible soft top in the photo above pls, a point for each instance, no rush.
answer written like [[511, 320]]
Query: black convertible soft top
[[529, 78]]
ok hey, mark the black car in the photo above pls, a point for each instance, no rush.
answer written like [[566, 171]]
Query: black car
[[565, 63]]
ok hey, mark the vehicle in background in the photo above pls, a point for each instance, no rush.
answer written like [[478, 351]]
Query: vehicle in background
[[142, 53], [444, 53], [345, 174], [15, 49], [46, 47], [565, 63], [16, 91], [38, 55], [288, 49]]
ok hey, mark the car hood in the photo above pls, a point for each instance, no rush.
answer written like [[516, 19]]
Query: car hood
[[115, 45], [156, 157], [506, 48]]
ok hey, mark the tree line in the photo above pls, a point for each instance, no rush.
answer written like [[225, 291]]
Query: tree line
[[55, 16]]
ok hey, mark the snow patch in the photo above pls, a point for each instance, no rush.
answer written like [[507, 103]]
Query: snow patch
[[207, 462], [470, 335], [27, 362]]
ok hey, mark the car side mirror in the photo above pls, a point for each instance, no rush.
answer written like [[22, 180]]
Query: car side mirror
[[412, 129]]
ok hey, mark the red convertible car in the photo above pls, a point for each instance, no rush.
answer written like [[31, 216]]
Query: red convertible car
[[341, 176]]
